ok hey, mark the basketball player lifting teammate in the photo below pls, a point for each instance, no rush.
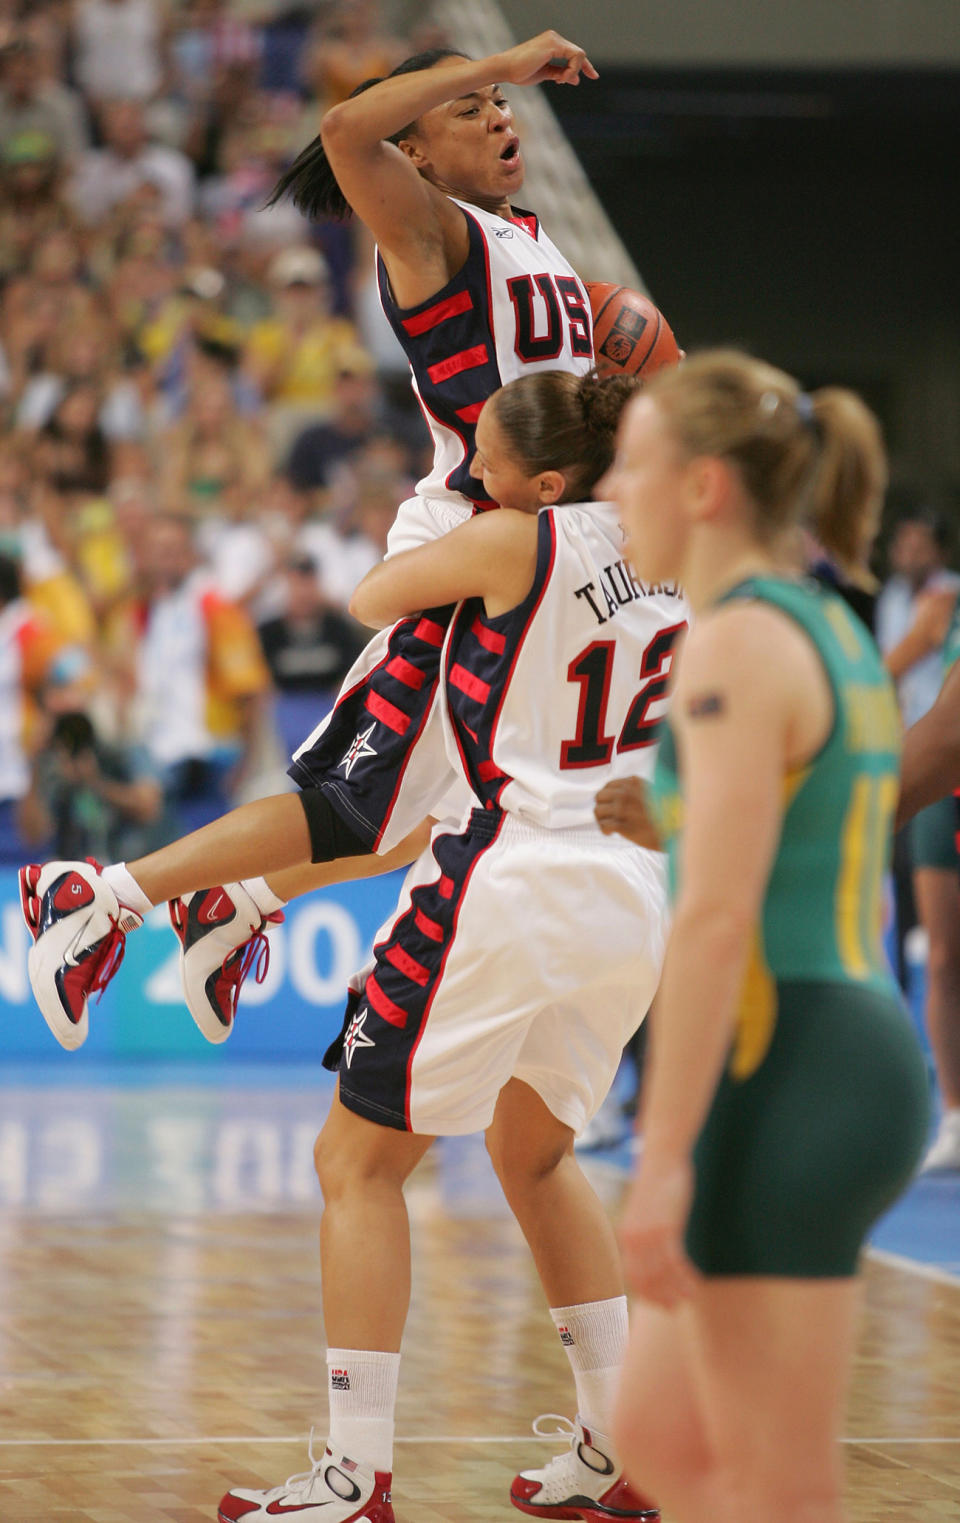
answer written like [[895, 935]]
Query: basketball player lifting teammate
[[477, 294]]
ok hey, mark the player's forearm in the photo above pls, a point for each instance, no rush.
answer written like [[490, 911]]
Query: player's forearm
[[394, 103], [693, 1027]]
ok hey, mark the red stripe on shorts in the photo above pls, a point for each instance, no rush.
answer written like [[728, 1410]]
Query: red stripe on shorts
[[445, 887], [383, 1004], [488, 770], [467, 683], [467, 359], [388, 713], [488, 638], [422, 322], [470, 414], [406, 672], [408, 965], [427, 926]]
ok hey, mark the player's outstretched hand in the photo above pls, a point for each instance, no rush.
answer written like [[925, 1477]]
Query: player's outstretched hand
[[546, 57], [652, 1231], [621, 808]]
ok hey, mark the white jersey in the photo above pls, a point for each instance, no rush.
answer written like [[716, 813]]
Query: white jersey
[[546, 703], [515, 307]]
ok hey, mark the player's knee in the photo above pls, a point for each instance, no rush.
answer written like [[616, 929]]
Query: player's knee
[[521, 1162]]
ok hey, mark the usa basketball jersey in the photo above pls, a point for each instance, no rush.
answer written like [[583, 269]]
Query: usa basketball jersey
[[514, 308], [549, 701]]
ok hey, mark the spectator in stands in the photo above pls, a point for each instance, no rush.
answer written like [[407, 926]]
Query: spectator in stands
[[83, 353], [119, 48], [919, 549], [31, 204], [309, 649], [29, 102], [198, 674], [27, 650], [351, 44], [127, 162], [213, 454], [72, 451], [295, 356], [353, 417]]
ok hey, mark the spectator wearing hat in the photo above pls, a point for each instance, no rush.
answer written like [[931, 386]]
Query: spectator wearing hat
[[295, 355]]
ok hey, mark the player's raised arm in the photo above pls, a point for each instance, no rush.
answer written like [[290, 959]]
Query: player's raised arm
[[930, 766], [439, 126]]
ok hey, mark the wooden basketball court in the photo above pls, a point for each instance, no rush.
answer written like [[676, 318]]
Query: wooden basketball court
[[158, 1346]]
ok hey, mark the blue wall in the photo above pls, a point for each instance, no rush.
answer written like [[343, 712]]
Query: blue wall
[[290, 1017]]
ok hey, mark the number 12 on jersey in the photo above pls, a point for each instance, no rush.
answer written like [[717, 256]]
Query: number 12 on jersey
[[592, 669]]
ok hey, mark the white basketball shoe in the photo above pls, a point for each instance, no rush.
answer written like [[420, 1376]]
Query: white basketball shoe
[[79, 932], [222, 937], [335, 1489], [585, 1482]]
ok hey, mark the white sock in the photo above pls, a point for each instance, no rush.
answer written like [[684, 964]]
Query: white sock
[[595, 1338], [262, 895], [127, 889], [362, 1387]]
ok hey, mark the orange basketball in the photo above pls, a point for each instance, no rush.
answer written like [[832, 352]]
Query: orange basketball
[[630, 335]]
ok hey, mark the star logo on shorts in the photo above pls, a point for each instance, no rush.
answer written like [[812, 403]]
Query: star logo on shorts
[[361, 747], [356, 1037]]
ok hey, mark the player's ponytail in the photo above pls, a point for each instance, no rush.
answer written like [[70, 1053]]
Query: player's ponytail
[[556, 421], [310, 181], [851, 475], [814, 458]]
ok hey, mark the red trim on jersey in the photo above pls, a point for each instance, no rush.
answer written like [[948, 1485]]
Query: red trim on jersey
[[427, 926], [479, 504], [488, 638], [388, 713], [445, 887], [467, 682], [529, 225], [406, 672], [383, 1004], [467, 359], [470, 414], [443, 962], [452, 306], [408, 965], [488, 770], [552, 527], [430, 632]]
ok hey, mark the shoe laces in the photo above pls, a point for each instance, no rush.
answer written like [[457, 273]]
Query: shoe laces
[[559, 1474], [253, 957], [303, 1477]]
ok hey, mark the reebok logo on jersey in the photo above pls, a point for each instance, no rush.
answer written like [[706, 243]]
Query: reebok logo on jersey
[[503, 232], [566, 1337], [339, 1380], [361, 747]]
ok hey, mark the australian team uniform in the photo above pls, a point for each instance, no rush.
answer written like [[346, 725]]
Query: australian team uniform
[[516, 307], [527, 944], [935, 831], [821, 1113]]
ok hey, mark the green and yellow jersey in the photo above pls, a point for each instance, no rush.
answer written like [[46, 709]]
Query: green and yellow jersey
[[822, 916]]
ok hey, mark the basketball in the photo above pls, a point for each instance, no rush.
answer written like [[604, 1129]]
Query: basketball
[[630, 335]]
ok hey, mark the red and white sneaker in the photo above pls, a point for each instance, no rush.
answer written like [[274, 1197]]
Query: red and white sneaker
[[222, 938], [585, 1482], [79, 933], [335, 1489]]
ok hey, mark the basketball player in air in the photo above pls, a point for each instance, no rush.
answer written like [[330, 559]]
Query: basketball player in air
[[477, 294], [786, 1101], [487, 1008]]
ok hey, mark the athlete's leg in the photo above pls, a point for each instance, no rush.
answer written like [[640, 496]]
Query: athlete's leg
[[774, 1362], [365, 1231], [938, 907], [549, 1194]]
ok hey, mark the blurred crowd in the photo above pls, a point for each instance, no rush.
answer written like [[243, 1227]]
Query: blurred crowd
[[206, 424]]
